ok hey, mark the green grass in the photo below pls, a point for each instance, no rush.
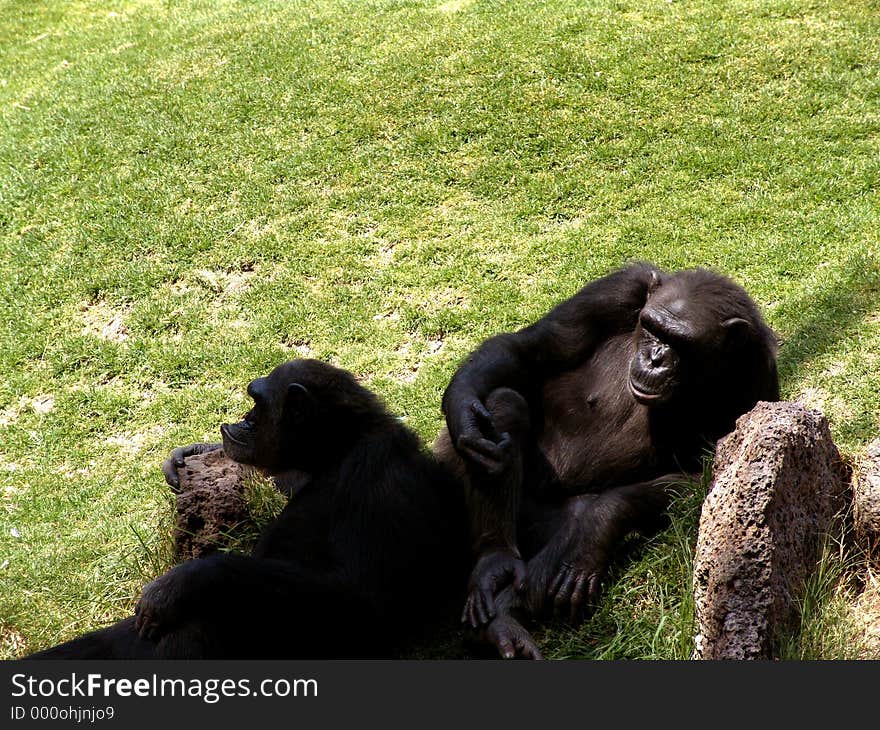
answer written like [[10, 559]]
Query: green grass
[[191, 192], [827, 626]]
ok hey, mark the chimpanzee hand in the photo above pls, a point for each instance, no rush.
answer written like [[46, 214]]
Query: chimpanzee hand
[[511, 639], [493, 571], [478, 441], [165, 601], [176, 460], [576, 584]]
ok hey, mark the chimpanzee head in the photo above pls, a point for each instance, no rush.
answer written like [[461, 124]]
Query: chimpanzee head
[[304, 412], [695, 334]]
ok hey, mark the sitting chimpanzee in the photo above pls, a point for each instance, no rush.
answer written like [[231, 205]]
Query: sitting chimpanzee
[[373, 545], [567, 433]]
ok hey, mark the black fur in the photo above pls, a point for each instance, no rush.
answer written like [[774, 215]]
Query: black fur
[[568, 432], [370, 549]]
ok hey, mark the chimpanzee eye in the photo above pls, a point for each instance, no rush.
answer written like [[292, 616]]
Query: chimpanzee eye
[[650, 330]]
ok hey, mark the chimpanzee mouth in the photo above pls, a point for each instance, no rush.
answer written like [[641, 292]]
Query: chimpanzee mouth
[[230, 430], [643, 396]]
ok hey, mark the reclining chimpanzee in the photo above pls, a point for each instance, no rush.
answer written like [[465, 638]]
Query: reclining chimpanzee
[[568, 432], [373, 546]]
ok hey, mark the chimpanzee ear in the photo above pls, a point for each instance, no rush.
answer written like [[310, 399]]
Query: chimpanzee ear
[[654, 284], [299, 400], [737, 329], [297, 390]]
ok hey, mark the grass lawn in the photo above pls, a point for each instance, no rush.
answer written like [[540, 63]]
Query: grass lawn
[[193, 192]]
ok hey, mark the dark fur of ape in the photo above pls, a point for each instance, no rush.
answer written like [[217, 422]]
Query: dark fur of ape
[[373, 546], [568, 432]]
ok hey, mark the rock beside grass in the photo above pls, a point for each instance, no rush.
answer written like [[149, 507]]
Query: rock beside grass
[[779, 484], [211, 504]]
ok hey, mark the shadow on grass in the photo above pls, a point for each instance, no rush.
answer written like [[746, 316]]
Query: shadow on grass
[[820, 319]]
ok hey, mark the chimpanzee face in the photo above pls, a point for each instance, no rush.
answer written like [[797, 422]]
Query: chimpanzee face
[[655, 369], [264, 435], [681, 342], [246, 441]]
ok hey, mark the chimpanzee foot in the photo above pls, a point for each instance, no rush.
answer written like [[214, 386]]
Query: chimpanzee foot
[[511, 639]]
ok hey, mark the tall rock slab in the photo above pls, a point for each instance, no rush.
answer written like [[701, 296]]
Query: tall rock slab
[[779, 484]]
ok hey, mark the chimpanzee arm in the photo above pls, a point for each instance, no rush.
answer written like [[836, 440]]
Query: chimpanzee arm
[[229, 583], [562, 339]]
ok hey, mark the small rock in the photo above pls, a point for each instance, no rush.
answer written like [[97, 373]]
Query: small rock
[[210, 503]]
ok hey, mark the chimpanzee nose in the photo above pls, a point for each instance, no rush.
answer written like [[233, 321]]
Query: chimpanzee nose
[[658, 354]]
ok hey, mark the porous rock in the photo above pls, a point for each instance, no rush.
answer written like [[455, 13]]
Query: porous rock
[[866, 500], [210, 503], [779, 483]]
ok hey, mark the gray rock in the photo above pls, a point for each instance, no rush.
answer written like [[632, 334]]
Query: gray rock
[[779, 483], [866, 500]]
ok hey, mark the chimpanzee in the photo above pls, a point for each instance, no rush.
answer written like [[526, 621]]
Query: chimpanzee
[[371, 547], [568, 432]]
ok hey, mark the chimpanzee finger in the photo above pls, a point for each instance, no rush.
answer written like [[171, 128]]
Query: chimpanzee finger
[[595, 589], [485, 607], [472, 616], [466, 612], [581, 586], [563, 596], [505, 443], [527, 649], [491, 465], [169, 471], [505, 647], [482, 446], [484, 420], [519, 576], [469, 615], [558, 581]]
